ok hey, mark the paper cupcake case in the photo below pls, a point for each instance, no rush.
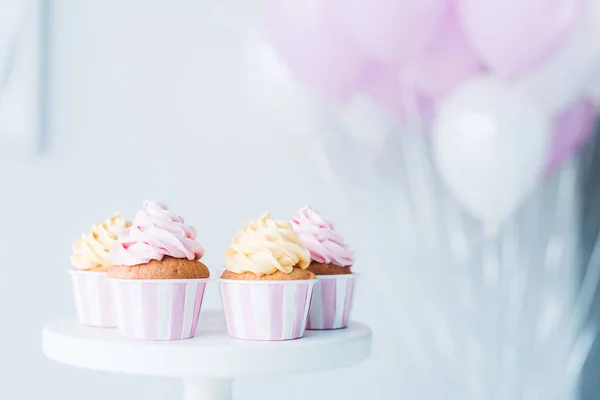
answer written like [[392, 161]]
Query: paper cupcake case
[[158, 309], [93, 298], [266, 310], [332, 302]]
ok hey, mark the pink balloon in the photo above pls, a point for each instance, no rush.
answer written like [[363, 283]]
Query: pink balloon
[[448, 61], [391, 31], [515, 36], [307, 40], [572, 129], [382, 85]]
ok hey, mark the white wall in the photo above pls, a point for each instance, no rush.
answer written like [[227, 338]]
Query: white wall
[[137, 112]]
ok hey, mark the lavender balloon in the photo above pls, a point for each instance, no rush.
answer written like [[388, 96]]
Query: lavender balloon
[[392, 31], [572, 129], [515, 36], [313, 47], [401, 100], [447, 62]]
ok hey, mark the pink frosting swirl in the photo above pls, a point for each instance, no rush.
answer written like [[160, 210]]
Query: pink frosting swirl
[[319, 236], [156, 232]]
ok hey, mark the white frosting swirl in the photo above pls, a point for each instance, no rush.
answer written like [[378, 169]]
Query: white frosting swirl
[[266, 246], [92, 249]]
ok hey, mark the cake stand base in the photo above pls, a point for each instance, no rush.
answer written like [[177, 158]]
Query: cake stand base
[[207, 389]]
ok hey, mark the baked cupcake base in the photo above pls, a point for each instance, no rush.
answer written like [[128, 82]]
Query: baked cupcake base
[[297, 274], [328, 269], [167, 268]]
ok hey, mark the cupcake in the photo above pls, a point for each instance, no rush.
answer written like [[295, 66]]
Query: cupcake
[[157, 279], [266, 287], [91, 262], [331, 262]]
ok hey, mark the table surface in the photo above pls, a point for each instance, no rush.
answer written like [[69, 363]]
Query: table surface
[[211, 354]]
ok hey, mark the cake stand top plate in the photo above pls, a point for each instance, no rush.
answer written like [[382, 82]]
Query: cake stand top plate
[[211, 354]]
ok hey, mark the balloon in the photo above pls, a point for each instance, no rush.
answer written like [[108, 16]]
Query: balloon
[[447, 61], [563, 79], [382, 85], [571, 130], [391, 31], [313, 47], [490, 146], [514, 36], [273, 96]]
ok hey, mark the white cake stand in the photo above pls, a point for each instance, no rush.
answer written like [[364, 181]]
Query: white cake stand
[[210, 362]]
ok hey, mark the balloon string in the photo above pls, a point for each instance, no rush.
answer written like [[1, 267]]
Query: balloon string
[[589, 287], [420, 179], [509, 314], [400, 319], [585, 330], [577, 358], [412, 157], [558, 322]]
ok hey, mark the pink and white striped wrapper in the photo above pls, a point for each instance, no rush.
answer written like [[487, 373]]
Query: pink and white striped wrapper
[[93, 298], [159, 309], [332, 302], [266, 310]]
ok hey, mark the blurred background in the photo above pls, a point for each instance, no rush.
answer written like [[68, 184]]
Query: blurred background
[[457, 188]]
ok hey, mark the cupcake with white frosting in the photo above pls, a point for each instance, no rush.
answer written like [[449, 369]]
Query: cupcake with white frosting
[[331, 261], [91, 262], [266, 287], [266, 249], [91, 251]]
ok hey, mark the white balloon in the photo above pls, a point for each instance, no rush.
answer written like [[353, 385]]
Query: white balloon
[[490, 146], [250, 77], [563, 79], [275, 97]]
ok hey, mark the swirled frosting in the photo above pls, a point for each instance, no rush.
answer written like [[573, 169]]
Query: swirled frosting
[[319, 236], [266, 246], [92, 249], [156, 232]]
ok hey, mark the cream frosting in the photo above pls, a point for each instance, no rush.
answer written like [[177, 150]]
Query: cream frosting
[[265, 246], [318, 234], [156, 232], [92, 249]]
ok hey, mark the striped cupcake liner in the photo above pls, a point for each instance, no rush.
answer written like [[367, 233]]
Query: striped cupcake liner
[[332, 302], [161, 309], [93, 298], [266, 310]]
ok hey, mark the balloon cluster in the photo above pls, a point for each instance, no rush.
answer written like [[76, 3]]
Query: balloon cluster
[[508, 81]]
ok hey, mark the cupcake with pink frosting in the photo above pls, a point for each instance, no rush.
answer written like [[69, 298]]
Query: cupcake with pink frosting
[[331, 262], [328, 252], [158, 279]]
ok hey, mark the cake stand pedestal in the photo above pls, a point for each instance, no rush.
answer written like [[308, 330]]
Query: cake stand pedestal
[[208, 363]]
